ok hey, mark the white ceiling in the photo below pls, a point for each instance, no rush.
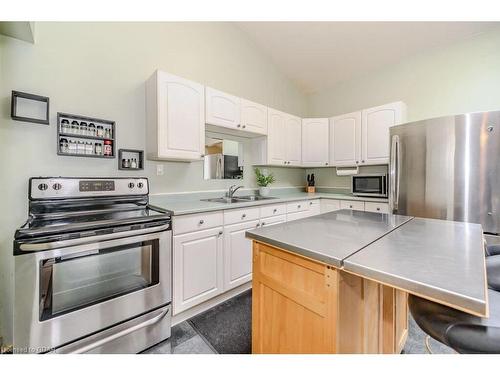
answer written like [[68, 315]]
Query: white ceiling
[[317, 55]]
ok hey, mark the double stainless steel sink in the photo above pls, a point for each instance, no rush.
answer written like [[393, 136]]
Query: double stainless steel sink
[[241, 199]]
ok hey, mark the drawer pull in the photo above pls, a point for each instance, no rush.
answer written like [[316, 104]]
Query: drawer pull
[[298, 206], [243, 216], [275, 210], [202, 222], [310, 203], [220, 233], [350, 206], [378, 208], [258, 225], [263, 224]]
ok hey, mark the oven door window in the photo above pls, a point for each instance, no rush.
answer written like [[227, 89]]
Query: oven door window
[[79, 280], [372, 185]]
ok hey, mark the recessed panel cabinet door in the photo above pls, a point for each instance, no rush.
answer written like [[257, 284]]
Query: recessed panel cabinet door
[[375, 131], [237, 254], [315, 142], [253, 117], [222, 109], [198, 267], [345, 139], [176, 118], [293, 131], [276, 141]]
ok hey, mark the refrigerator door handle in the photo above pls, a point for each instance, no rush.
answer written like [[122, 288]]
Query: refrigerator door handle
[[393, 199]]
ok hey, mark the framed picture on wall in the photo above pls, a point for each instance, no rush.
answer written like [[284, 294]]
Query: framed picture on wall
[[29, 108]]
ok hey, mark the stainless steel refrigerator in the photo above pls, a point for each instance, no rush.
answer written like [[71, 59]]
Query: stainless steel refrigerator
[[448, 168]]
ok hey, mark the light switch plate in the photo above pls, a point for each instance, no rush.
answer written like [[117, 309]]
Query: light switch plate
[[159, 170]]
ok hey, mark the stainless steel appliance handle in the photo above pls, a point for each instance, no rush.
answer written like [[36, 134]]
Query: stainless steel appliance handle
[[30, 247], [117, 335], [398, 171], [392, 173]]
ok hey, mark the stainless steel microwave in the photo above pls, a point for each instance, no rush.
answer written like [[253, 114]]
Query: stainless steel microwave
[[369, 185]]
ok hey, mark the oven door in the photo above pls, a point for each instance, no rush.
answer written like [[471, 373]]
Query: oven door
[[369, 185], [67, 293]]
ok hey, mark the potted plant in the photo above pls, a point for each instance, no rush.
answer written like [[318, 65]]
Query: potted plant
[[263, 180]]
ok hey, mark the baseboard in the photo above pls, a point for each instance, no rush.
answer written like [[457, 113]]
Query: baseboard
[[195, 310]]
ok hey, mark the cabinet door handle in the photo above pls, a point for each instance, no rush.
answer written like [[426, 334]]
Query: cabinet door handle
[[357, 162], [243, 216], [298, 206], [310, 203], [326, 163], [284, 162], [244, 126], [378, 208], [202, 222], [274, 211], [362, 161], [350, 206], [238, 126], [220, 233], [257, 225], [263, 224]]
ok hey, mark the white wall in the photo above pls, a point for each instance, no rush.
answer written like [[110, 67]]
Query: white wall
[[463, 77], [99, 70]]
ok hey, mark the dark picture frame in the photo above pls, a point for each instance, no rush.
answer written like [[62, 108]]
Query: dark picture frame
[[24, 95]]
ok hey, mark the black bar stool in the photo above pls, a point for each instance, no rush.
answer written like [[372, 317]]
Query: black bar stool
[[460, 331]]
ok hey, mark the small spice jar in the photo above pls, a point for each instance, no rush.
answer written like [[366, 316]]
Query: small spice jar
[[75, 127], [125, 163], [65, 127], [91, 129], [89, 148], [63, 145], [98, 148], [99, 131], [108, 148], [80, 147], [72, 146], [107, 133], [83, 128]]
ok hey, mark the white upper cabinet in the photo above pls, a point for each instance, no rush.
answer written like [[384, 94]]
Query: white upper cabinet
[[222, 109], [315, 142], [375, 131], [345, 139], [276, 149], [253, 117], [175, 118], [293, 140]]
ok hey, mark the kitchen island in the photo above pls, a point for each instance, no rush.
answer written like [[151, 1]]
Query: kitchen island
[[338, 282]]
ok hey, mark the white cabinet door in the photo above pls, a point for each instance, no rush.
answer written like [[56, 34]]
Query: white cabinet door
[[375, 131], [175, 109], [314, 207], [315, 142], [273, 220], [237, 254], [345, 139], [377, 207], [198, 267], [293, 126], [276, 149], [297, 215], [222, 109], [253, 117], [329, 205]]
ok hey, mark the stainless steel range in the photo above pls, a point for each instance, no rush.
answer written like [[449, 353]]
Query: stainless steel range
[[92, 268]]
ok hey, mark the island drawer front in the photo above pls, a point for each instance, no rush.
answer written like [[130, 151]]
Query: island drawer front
[[241, 215], [352, 205], [273, 210], [297, 206], [195, 222], [377, 207]]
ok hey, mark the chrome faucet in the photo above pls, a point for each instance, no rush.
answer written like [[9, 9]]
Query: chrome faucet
[[232, 190]]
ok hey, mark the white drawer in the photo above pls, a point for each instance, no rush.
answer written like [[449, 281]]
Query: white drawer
[[297, 206], [353, 205], [272, 220], [241, 215], [377, 207], [195, 222], [314, 207], [297, 215], [329, 205], [273, 210]]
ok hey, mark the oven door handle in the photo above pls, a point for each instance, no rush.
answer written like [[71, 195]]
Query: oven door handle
[[125, 332], [32, 247]]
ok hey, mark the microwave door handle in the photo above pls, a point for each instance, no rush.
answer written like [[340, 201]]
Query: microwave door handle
[[117, 335]]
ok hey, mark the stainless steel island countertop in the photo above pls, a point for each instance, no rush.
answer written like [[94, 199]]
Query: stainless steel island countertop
[[439, 260], [330, 237]]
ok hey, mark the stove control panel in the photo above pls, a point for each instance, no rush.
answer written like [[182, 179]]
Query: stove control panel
[[69, 187]]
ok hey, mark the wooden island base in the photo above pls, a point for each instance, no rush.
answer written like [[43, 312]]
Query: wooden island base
[[300, 305]]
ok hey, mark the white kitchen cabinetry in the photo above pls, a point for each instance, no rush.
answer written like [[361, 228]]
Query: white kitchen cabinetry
[[222, 109], [284, 139], [329, 205], [237, 254], [345, 139], [377, 207], [315, 142], [352, 205], [375, 126], [198, 267], [175, 118], [314, 207], [272, 220], [253, 117]]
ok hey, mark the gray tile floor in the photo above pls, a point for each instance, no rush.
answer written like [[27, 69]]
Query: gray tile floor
[[186, 340]]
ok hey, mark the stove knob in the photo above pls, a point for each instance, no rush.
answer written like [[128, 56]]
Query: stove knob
[[131, 185], [57, 186], [43, 187], [140, 185]]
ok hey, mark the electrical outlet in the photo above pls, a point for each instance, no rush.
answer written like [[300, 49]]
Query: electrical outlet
[[159, 170]]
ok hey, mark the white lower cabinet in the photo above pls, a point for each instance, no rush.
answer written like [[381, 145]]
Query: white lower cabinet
[[198, 266], [314, 207], [352, 205], [377, 207], [237, 254], [297, 215], [329, 205], [272, 220]]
